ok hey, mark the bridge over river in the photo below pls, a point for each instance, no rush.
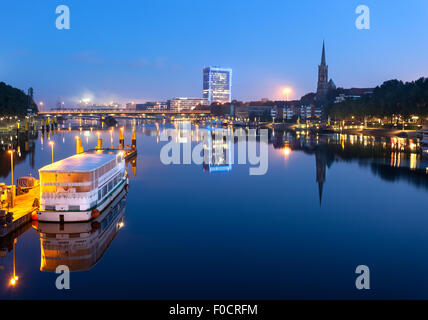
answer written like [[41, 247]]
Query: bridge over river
[[124, 113]]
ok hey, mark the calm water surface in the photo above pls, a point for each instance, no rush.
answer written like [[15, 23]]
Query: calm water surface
[[182, 232]]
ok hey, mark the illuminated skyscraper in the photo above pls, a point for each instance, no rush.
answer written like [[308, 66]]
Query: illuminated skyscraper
[[217, 84]]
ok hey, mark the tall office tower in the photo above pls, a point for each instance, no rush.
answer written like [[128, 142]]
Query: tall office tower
[[217, 84]]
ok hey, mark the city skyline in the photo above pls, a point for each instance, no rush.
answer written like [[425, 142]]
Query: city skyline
[[150, 54]]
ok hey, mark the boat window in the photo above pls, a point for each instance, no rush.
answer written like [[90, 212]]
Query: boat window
[[48, 188], [81, 177], [83, 188], [62, 177], [74, 235], [47, 177]]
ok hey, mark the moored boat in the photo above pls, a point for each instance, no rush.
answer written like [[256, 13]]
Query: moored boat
[[80, 245], [78, 188]]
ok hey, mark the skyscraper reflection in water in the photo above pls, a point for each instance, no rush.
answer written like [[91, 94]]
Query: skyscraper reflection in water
[[218, 152]]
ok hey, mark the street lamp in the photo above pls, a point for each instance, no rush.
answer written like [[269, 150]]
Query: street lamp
[[286, 91], [11, 163], [51, 143]]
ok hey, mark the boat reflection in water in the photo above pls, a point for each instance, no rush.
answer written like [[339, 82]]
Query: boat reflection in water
[[80, 245]]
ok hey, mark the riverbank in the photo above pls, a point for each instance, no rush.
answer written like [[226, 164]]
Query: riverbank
[[410, 134], [278, 126], [376, 132]]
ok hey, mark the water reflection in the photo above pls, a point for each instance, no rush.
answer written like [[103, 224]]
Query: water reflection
[[7, 247], [23, 144], [217, 152], [298, 163], [390, 158], [80, 245]]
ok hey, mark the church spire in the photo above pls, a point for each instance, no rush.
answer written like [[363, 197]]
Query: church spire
[[323, 54], [322, 88]]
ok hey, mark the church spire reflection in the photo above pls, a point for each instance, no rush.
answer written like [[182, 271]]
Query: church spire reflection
[[321, 164]]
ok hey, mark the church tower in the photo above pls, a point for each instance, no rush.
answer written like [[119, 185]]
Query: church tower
[[322, 87]]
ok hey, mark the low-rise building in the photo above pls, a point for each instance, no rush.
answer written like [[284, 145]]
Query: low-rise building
[[152, 106], [179, 104], [310, 111], [251, 112], [289, 112], [353, 93]]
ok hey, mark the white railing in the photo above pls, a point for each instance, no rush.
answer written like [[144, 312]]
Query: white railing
[[68, 195], [67, 184]]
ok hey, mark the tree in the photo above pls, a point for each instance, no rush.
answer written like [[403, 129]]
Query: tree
[[14, 101], [393, 97]]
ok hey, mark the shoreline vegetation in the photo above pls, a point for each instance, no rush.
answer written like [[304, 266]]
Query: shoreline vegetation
[[393, 99], [14, 102]]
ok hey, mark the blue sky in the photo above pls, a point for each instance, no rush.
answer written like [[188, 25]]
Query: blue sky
[[143, 50]]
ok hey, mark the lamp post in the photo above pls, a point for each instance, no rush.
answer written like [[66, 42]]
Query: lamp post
[[51, 143], [286, 91], [12, 151]]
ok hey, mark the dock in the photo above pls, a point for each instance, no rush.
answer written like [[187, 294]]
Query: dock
[[12, 219]]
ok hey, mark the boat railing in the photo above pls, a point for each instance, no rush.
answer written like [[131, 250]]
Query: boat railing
[[67, 195], [68, 184]]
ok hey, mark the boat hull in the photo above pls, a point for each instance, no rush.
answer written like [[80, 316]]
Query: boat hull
[[79, 216]]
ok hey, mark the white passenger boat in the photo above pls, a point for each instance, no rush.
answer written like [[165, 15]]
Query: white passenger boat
[[78, 188], [80, 245]]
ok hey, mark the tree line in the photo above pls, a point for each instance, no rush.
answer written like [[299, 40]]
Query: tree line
[[393, 97], [13, 101]]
